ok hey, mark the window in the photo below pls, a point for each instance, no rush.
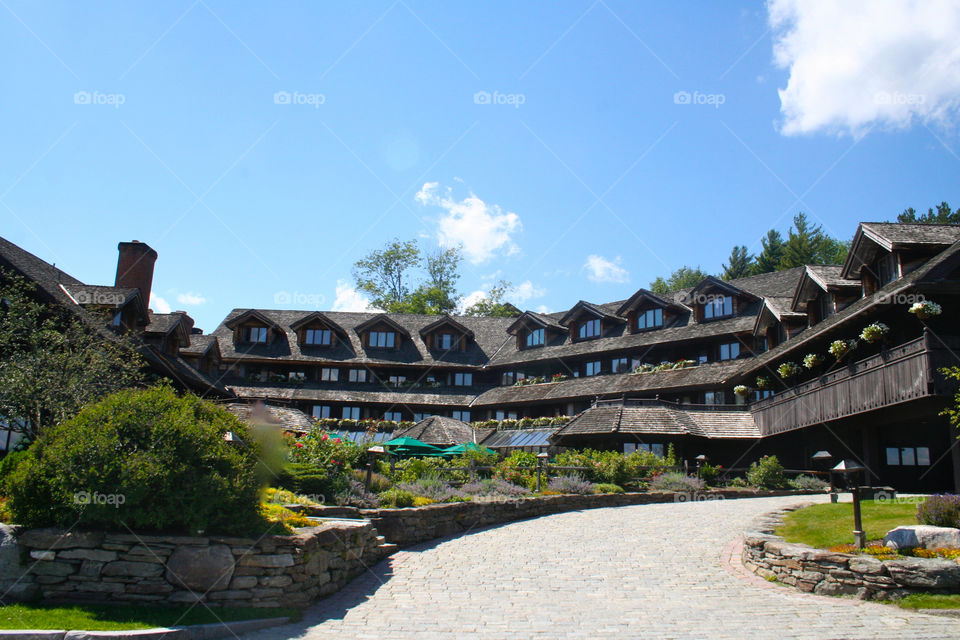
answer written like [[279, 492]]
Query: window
[[506, 415], [593, 368], [619, 365], [511, 377], [329, 375], [730, 351], [590, 328], [317, 337], [417, 417], [825, 305], [296, 376], [321, 411], [760, 394], [117, 319], [445, 341], [395, 416], [396, 381], [385, 339], [702, 358], [463, 416], [908, 456], [351, 413], [255, 334], [718, 307], [887, 269], [650, 319], [358, 375], [535, 337], [463, 379], [713, 397]]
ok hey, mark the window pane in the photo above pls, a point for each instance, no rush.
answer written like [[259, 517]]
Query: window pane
[[907, 457], [390, 338], [657, 449], [727, 305], [923, 456]]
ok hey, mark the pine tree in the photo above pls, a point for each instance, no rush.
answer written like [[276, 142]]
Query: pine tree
[[769, 258], [739, 264]]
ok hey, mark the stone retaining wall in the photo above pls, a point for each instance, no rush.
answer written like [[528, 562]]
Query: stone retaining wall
[[828, 573], [272, 571], [409, 526]]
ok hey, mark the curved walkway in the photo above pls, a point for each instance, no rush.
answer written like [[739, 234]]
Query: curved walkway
[[650, 571]]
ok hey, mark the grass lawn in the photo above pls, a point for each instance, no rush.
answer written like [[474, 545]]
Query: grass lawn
[[125, 617], [829, 525], [930, 601]]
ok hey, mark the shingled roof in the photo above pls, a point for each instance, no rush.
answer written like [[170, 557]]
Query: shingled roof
[[285, 417], [314, 393], [614, 385], [439, 431], [660, 418]]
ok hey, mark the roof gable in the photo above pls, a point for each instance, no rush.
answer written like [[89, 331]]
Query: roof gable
[[528, 318], [582, 307], [713, 282], [449, 322], [252, 314], [382, 318], [317, 316], [645, 295]]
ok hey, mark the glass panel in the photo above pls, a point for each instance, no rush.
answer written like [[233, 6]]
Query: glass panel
[[923, 456], [907, 456], [658, 449]]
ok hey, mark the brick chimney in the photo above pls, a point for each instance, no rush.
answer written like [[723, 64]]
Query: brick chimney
[[135, 267]]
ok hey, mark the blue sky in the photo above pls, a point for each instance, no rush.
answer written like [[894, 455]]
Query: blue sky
[[577, 149]]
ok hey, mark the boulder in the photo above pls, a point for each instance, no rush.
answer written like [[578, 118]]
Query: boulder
[[13, 582], [201, 568], [924, 536], [924, 572]]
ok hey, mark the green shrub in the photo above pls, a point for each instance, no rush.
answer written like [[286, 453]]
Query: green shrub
[[396, 498], [709, 472], [605, 487], [144, 459], [808, 483], [767, 473], [507, 469], [941, 510], [738, 483], [672, 481], [378, 482], [9, 463], [316, 481]]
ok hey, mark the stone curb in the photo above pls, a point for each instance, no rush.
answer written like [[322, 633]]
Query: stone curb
[[193, 632]]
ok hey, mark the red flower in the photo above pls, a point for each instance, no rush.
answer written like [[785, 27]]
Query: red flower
[[323, 437], [334, 462], [299, 445], [337, 440]]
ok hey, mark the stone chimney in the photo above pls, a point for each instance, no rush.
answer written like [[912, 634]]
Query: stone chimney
[[186, 320], [135, 267]]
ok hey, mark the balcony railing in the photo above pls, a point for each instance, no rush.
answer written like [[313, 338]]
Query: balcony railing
[[895, 375]]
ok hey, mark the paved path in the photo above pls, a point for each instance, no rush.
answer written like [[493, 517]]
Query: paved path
[[651, 571]]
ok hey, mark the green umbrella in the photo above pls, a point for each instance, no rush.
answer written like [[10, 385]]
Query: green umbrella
[[466, 447], [412, 447]]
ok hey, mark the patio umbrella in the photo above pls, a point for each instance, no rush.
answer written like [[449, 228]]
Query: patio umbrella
[[411, 447], [461, 449]]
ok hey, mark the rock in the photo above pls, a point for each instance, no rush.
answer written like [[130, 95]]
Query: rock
[[59, 539], [133, 569], [243, 582], [276, 581], [43, 555], [922, 535], [203, 569], [869, 566], [88, 554], [267, 560], [52, 569], [924, 572]]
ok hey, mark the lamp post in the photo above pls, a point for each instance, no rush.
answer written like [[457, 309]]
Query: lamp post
[[701, 460], [848, 468], [541, 463], [372, 454]]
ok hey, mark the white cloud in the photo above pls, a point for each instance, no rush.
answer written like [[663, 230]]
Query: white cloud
[[349, 299], [526, 290], [190, 298], [483, 230], [544, 309], [859, 63], [599, 269], [158, 304]]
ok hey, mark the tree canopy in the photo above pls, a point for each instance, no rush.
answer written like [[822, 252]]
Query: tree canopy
[[682, 278], [943, 215], [52, 363]]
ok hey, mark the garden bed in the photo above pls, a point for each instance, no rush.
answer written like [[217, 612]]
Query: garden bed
[[832, 572]]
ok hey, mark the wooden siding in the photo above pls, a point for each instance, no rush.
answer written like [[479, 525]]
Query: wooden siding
[[899, 374]]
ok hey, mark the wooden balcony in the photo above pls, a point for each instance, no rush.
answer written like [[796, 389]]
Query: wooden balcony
[[895, 375]]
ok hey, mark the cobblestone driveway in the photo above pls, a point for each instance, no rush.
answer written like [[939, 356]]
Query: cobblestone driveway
[[650, 571]]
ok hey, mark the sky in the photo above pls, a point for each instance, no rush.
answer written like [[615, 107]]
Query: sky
[[576, 149]]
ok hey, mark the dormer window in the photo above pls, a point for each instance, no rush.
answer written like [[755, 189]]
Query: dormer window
[[445, 341], [718, 307], [887, 270], [536, 337], [590, 328], [317, 337], [256, 335], [382, 339], [650, 319]]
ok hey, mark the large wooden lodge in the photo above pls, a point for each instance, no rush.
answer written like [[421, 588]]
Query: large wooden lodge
[[644, 372]]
